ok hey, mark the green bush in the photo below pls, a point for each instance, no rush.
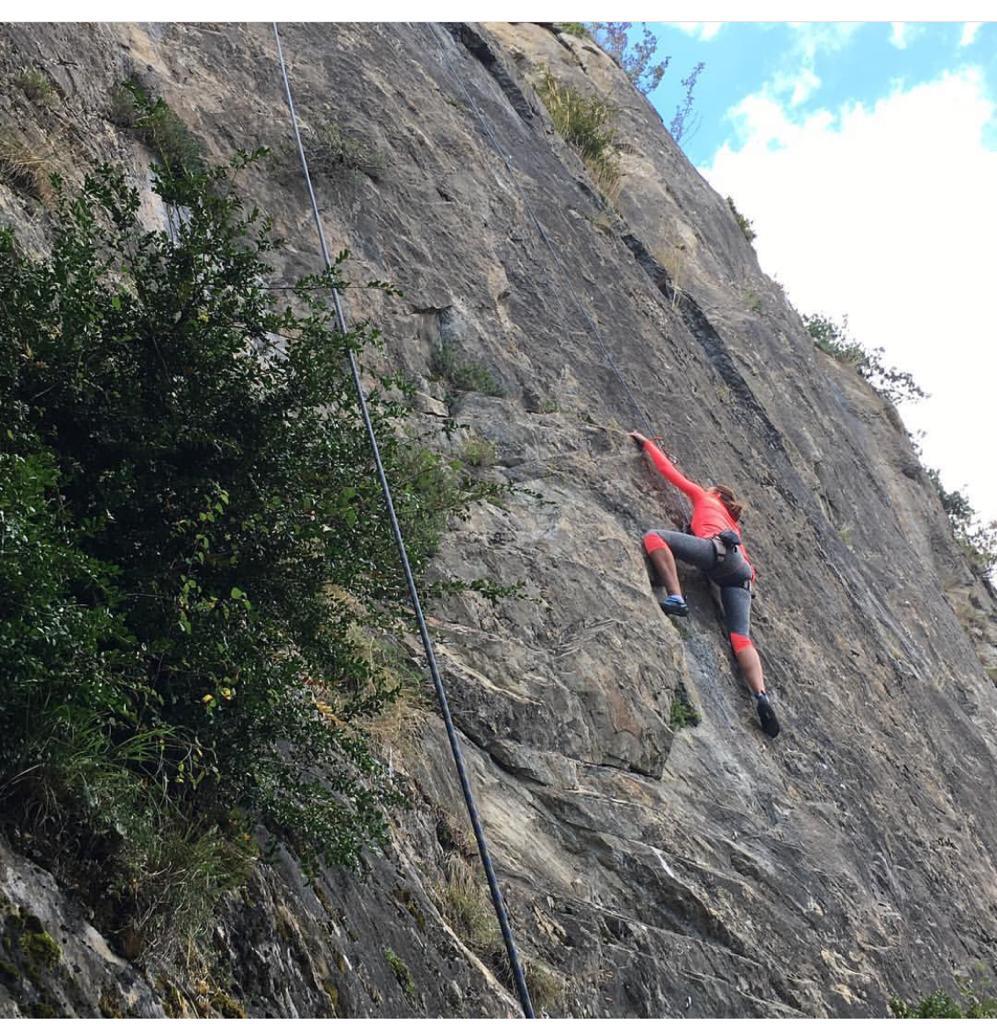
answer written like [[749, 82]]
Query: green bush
[[191, 532], [940, 1004], [157, 126], [832, 338], [682, 714], [401, 971], [586, 124]]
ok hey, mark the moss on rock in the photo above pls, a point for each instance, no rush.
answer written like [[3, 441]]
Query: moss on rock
[[42, 951]]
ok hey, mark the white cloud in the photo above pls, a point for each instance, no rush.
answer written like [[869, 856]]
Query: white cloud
[[704, 31], [898, 34], [888, 213], [797, 79], [810, 38], [969, 30], [799, 85], [903, 33]]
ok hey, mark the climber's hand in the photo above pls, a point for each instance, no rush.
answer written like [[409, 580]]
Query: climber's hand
[[638, 439]]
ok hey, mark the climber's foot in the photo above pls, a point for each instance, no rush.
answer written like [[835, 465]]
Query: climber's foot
[[675, 605], [766, 715]]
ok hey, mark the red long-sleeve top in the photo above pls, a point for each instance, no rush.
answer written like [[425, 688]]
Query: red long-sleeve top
[[709, 514]]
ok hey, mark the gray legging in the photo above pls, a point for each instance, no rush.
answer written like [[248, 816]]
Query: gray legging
[[730, 575]]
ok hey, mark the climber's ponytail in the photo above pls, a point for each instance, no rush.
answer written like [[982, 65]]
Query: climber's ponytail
[[734, 507]]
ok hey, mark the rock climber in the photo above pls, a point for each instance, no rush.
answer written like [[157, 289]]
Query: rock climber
[[713, 545]]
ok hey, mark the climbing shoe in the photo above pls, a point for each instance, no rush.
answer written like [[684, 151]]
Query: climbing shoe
[[675, 605], [766, 715]]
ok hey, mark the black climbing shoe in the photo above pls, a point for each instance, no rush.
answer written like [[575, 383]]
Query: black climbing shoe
[[766, 715], [675, 606]]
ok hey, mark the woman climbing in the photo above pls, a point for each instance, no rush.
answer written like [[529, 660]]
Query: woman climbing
[[715, 547]]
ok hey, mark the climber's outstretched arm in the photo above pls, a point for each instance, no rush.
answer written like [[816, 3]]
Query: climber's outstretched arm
[[662, 464]]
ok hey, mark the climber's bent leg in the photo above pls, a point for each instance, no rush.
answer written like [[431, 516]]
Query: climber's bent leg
[[664, 546], [663, 561]]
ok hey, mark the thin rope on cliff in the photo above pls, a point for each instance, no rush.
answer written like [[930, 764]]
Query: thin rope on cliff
[[458, 756]]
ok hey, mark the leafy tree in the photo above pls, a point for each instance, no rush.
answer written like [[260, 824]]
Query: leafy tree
[[637, 60], [191, 533]]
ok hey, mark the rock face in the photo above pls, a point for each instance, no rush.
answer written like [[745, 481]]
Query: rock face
[[53, 962], [649, 871]]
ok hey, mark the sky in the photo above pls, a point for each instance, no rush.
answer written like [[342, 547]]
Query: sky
[[865, 154]]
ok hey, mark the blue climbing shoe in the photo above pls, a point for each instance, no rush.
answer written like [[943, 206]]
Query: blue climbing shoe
[[766, 716], [675, 605]]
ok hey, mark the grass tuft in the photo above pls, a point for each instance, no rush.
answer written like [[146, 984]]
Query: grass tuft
[[479, 452], [36, 85], [461, 374], [586, 124], [395, 728], [466, 904], [339, 154], [26, 169], [401, 971]]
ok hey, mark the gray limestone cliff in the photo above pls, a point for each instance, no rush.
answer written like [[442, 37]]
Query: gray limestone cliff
[[649, 870]]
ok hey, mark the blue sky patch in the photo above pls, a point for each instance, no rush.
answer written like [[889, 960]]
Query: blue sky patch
[[806, 67], [887, 214]]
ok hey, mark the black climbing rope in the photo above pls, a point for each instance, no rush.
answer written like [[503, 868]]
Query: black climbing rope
[[458, 756], [586, 315]]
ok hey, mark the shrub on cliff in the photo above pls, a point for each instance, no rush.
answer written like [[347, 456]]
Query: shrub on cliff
[[156, 125], [973, 1003], [573, 28], [832, 337], [683, 123], [746, 226], [977, 539], [636, 59], [191, 533]]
